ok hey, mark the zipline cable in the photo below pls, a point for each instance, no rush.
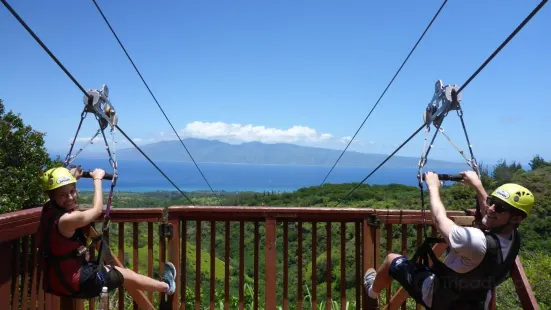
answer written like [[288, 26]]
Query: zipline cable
[[29, 30], [526, 20], [161, 171], [151, 93], [387, 87], [37, 39], [382, 163]]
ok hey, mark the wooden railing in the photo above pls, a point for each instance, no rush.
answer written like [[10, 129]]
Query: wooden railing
[[293, 241]]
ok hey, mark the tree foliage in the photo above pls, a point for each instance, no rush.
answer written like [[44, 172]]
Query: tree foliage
[[22, 160], [538, 162], [504, 173]]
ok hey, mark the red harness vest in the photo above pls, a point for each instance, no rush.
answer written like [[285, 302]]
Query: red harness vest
[[61, 257]]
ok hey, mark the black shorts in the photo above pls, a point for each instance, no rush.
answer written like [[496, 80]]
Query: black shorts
[[411, 276], [91, 283]]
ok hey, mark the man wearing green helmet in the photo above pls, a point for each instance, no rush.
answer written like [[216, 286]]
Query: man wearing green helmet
[[64, 249], [478, 260]]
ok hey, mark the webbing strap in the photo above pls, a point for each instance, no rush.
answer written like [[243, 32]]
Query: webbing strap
[[422, 163], [104, 253], [425, 251], [477, 222], [113, 163], [507, 261]]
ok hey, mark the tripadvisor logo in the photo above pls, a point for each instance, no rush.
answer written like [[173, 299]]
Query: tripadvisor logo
[[467, 284]]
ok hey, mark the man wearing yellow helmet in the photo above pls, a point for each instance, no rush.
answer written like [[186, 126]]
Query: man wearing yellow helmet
[[478, 260], [62, 243]]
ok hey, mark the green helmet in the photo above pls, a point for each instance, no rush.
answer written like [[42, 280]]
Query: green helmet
[[57, 177], [516, 196]]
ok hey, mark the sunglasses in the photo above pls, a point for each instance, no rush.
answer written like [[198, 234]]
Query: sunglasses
[[499, 206]]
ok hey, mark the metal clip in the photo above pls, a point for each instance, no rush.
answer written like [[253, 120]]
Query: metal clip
[[373, 221], [166, 230]]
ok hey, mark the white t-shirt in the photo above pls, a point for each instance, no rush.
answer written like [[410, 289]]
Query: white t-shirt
[[467, 250]]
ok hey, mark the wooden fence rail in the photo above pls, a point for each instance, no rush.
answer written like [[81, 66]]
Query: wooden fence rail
[[223, 254]]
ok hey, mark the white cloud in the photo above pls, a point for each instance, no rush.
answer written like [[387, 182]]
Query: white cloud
[[138, 141], [247, 133], [346, 140]]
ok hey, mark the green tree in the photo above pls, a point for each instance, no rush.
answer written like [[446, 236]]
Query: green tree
[[538, 162], [503, 173], [485, 177], [23, 157]]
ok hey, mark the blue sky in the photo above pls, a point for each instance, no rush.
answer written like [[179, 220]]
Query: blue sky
[[251, 71]]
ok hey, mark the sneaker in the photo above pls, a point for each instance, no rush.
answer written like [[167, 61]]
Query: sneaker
[[169, 276], [369, 278]]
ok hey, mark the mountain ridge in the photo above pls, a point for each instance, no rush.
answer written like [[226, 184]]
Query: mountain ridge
[[256, 152]]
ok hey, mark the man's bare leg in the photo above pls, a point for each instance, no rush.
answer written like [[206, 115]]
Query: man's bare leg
[[375, 281]]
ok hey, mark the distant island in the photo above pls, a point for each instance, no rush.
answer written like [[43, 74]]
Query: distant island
[[261, 153]]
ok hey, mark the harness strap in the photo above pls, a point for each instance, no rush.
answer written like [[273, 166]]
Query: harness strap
[[507, 261], [493, 247], [477, 222], [424, 252], [104, 252]]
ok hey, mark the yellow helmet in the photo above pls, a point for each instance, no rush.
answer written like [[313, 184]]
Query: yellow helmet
[[57, 177], [516, 196]]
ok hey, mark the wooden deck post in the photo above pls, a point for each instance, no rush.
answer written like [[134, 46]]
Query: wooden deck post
[[523, 287], [67, 303], [6, 274], [174, 257], [270, 261], [370, 249]]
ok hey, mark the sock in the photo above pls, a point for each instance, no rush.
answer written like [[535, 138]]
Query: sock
[[372, 294]]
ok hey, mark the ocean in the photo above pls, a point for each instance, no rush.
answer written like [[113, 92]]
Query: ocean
[[142, 176]]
